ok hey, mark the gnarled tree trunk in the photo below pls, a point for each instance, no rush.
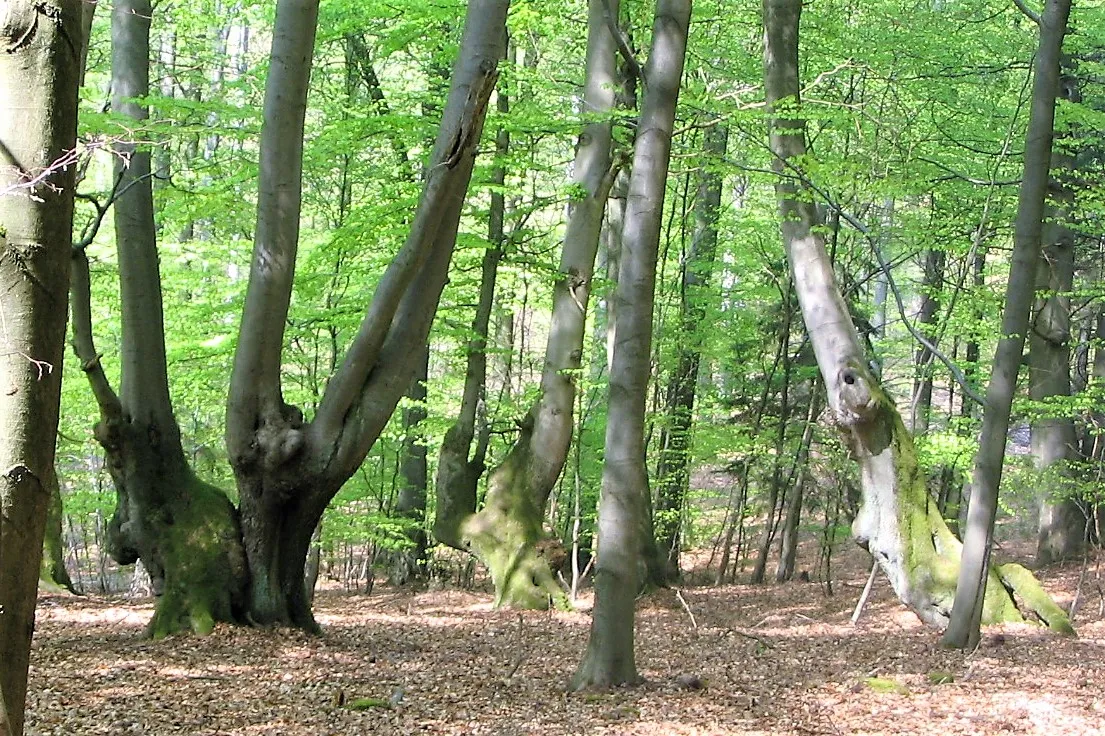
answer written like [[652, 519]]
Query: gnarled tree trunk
[[185, 531], [39, 71], [898, 521], [288, 469]]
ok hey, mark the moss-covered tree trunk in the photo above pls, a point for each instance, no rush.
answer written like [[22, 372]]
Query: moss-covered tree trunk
[[898, 520], [507, 534], [52, 575], [184, 530]]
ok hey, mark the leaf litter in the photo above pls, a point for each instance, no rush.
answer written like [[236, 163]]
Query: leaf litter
[[736, 659]]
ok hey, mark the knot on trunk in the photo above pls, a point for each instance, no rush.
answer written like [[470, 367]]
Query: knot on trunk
[[860, 396]]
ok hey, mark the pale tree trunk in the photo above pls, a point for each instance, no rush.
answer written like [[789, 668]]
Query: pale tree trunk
[[898, 521], [609, 659], [508, 533], [287, 469], [675, 441], [1063, 522], [39, 72], [185, 531], [971, 588]]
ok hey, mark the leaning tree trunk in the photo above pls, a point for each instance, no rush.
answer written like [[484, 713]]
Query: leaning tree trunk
[[39, 71], [508, 533], [675, 442], [971, 590], [609, 659], [898, 521], [185, 531], [287, 470]]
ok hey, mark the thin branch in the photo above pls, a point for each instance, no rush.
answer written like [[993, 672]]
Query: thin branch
[[1029, 13], [623, 43]]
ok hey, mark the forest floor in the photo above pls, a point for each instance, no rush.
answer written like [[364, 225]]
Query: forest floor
[[771, 659]]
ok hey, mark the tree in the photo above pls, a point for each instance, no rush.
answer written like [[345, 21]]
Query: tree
[[39, 72], [609, 659], [897, 521], [972, 587], [288, 468], [505, 534], [184, 530]]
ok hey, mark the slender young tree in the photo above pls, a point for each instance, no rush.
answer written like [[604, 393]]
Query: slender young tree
[[39, 73], [971, 588], [287, 468], [609, 659], [185, 531], [898, 521], [506, 532]]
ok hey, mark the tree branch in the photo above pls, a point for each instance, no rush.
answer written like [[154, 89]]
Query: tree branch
[[1029, 13], [622, 42]]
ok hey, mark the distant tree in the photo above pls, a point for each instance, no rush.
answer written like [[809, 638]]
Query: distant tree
[[39, 72]]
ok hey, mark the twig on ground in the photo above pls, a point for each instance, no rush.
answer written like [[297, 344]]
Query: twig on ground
[[866, 592], [679, 595]]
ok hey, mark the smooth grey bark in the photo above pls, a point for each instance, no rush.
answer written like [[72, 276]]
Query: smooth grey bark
[[931, 284], [609, 659], [897, 522], [39, 73], [1062, 528], [967, 611], [673, 471], [507, 534], [287, 469], [185, 531]]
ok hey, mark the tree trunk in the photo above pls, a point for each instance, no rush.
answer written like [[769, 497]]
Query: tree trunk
[[898, 521], [609, 660], [508, 533], [921, 405], [410, 563], [788, 542], [971, 589], [1063, 523], [39, 72], [675, 442], [185, 531], [52, 575], [287, 470]]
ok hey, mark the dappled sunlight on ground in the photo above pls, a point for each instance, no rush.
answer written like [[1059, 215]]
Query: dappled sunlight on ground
[[773, 659]]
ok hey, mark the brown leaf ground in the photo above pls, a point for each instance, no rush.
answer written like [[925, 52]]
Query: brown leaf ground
[[774, 659]]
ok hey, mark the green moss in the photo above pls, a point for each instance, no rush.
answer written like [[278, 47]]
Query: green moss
[[368, 704]]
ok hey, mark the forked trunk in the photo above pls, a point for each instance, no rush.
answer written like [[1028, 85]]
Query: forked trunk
[[898, 520]]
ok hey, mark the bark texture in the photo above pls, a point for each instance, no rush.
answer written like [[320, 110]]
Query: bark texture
[[507, 534], [898, 520], [287, 470], [39, 72], [963, 629], [609, 660]]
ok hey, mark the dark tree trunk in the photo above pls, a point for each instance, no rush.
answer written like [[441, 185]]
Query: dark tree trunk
[[410, 563], [288, 470], [967, 612], [39, 73], [184, 530], [933, 282], [675, 442], [609, 660], [53, 576]]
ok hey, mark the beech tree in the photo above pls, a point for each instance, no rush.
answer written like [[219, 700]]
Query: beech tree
[[39, 72], [973, 594], [898, 521], [287, 467], [609, 659], [184, 530]]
